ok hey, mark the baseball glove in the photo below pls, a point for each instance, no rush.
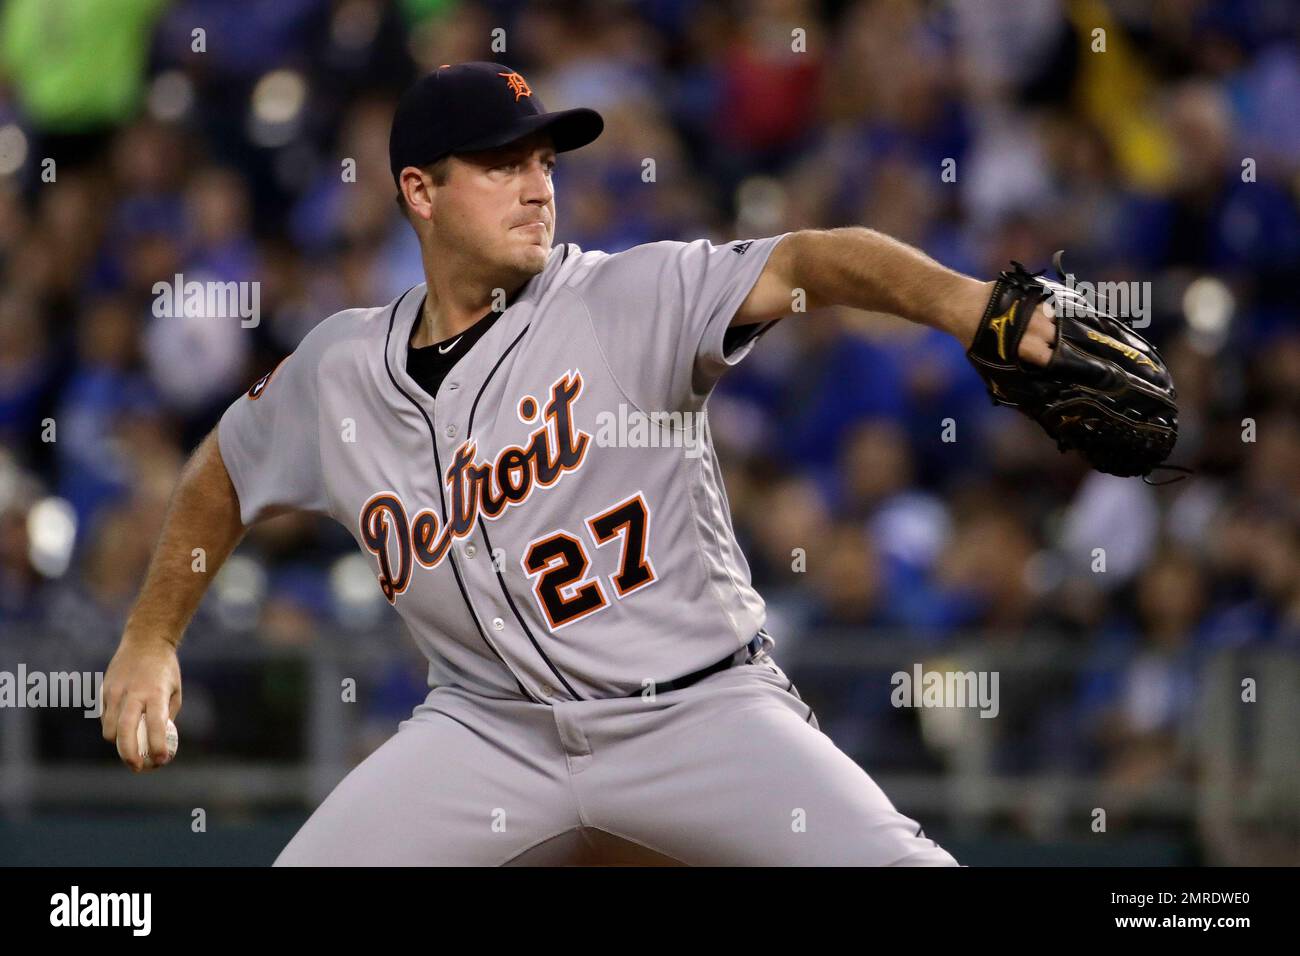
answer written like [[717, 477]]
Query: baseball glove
[[1106, 392]]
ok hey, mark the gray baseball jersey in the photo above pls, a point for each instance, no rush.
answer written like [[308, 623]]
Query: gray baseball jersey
[[553, 522], [553, 528]]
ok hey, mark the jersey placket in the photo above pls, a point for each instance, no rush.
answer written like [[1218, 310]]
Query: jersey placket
[[499, 622], [430, 420]]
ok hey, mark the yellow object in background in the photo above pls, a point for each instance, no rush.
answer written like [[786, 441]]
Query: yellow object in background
[[1114, 91]]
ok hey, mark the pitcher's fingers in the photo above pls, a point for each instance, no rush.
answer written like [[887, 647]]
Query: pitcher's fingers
[[1039, 353], [175, 707], [155, 720], [128, 745], [1046, 319], [112, 707]]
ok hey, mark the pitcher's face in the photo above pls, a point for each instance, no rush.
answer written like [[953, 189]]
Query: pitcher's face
[[497, 206]]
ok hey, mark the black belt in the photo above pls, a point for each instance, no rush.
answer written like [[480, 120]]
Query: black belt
[[753, 647]]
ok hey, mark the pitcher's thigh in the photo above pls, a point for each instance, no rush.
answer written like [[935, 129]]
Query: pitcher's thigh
[[744, 779], [814, 806], [435, 794]]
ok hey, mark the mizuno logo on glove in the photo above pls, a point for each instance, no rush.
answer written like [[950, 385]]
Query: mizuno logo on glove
[[1127, 350]]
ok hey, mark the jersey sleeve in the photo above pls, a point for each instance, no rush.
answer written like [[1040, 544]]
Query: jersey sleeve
[[661, 313], [270, 440]]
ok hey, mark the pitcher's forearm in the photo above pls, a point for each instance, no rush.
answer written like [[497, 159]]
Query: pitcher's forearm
[[203, 514], [865, 269]]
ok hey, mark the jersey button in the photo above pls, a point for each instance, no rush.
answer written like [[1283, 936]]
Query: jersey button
[[470, 550], [547, 690], [451, 431], [498, 623]]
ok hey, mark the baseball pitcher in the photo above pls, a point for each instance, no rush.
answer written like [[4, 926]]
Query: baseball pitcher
[[602, 686]]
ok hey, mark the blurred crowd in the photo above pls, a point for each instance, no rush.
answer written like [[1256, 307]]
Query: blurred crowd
[[873, 485]]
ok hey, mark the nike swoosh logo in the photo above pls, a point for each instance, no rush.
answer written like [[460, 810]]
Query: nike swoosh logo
[[450, 345]]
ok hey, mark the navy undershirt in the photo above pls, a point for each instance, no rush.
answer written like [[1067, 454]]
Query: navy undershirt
[[429, 365]]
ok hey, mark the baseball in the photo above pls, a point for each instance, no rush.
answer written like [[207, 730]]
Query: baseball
[[142, 741]]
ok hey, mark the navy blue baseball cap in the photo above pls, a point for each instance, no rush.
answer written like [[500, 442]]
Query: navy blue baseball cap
[[477, 105]]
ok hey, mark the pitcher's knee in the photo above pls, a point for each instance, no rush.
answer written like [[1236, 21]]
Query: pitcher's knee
[[911, 847], [291, 855], [931, 855]]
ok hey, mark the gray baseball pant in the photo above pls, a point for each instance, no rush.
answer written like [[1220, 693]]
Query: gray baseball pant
[[730, 771]]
